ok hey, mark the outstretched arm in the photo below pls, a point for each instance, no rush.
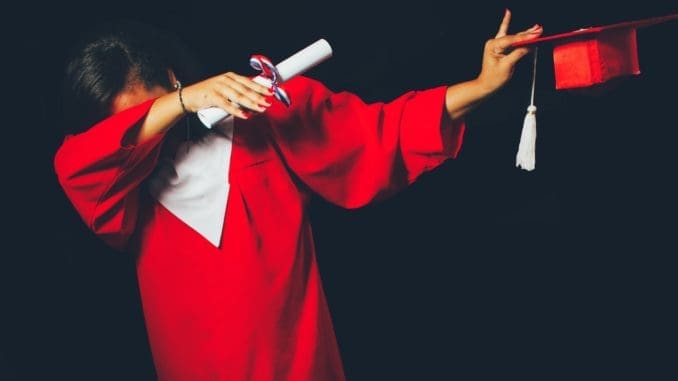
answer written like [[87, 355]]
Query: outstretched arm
[[497, 68]]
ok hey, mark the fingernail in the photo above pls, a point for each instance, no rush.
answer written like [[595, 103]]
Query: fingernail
[[246, 114], [269, 100]]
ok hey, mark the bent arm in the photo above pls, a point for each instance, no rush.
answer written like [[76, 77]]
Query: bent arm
[[236, 94], [164, 113], [100, 173]]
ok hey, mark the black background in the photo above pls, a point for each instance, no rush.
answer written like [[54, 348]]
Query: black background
[[479, 270]]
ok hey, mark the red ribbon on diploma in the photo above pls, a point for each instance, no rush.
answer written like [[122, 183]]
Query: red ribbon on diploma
[[269, 71]]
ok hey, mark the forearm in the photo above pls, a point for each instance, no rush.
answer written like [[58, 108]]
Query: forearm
[[165, 113], [463, 97], [233, 93]]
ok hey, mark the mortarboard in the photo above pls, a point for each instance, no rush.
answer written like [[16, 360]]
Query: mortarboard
[[583, 58]]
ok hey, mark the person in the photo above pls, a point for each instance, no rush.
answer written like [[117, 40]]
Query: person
[[218, 221]]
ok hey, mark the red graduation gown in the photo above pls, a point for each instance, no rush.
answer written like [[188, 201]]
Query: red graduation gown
[[253, 308]]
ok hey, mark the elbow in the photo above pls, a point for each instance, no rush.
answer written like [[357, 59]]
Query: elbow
[[114, 228], [67, 164], [60, 163]]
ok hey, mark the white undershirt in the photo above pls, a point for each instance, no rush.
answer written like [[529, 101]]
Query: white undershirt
[[194, 185]]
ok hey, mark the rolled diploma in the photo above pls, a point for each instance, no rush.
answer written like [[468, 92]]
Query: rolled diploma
[[296, 64]]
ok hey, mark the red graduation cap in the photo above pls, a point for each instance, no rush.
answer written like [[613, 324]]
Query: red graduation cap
[[584, 58], [592, 56]]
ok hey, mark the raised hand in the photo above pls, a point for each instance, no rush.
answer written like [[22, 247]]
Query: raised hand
[[236, 94], [499, 59]]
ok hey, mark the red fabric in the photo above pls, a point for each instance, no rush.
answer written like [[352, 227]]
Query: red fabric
[[254, 308], [595, 55], [591, 32], [596, 60]]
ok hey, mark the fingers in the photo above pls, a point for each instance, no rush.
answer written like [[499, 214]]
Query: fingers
[[503, 28], [503, 44], [533, 29], [245, 92], [516, 55], [231, 107], [261, 89], [232, 94]]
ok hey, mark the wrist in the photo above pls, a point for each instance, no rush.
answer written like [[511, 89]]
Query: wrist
[[180, 98], [483, 86]]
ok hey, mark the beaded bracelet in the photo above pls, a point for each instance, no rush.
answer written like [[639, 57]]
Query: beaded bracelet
[[178, 86]]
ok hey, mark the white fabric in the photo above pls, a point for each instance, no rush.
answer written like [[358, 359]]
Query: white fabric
[[525, 158], [194, 185]]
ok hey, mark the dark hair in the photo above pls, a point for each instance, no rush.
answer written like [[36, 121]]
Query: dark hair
[[113, 56]]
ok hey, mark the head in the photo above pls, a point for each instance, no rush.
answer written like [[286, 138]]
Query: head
[[117, 66]]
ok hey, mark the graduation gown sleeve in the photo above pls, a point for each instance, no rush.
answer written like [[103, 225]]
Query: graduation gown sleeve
[[352, 153], [101, 175]]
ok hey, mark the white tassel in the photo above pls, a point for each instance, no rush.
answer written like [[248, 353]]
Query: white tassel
[[525, 158], [528, 138]]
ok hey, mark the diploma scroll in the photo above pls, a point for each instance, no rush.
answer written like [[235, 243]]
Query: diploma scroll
[[296, 64]]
